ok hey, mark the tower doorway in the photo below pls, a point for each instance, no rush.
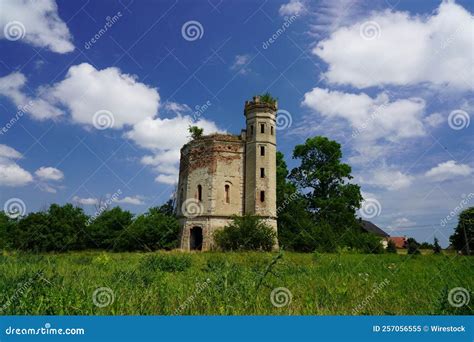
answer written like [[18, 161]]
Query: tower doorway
[[195, 241]]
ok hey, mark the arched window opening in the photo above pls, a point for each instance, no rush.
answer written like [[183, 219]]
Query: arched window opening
[[262, 128], [262, 196], [227, 193], [199, 194], [271, 130]]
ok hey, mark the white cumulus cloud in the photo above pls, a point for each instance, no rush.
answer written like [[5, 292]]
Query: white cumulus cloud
[[403, 49], [12, 174], [85, 201], [49, 173], [165, 137], [11, 86], [134, 200], [86, 90], [449, 170], [387, 178], [294, 7], [37, 21]]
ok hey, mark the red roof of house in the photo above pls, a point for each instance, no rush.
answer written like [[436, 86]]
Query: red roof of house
[[399, 241]]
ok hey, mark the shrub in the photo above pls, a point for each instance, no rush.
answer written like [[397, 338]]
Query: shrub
[[166, 263], [246, 233], [413, 247], [268, 98], [391, 247]]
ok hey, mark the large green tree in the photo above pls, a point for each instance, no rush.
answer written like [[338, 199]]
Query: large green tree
[[295, 223], [108, 226], [463, 237], [151, 231], [324, 180], [61, 228]]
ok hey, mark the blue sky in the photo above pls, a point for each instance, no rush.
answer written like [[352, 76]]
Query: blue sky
[[96, 97]]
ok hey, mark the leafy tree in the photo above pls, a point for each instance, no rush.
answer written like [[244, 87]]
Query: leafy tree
[[436, 246], [391, 247], [245, 233], [68, 226], [150, 231], [463, 237], [195, 132], [61, 228], [34, 233], [7, 227], [413, 247], [166, 208], [291, 209], [426, 245], [108, 226], [330, 198]]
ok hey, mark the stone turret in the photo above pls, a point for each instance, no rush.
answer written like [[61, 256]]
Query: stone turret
[[222, 175], [260, 159]]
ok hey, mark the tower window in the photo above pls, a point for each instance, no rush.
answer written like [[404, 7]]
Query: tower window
[[251, 130], [199, 194], [227, 193], [262, 128], [262, 196], [262, 150], [262, 172], [271, 130]]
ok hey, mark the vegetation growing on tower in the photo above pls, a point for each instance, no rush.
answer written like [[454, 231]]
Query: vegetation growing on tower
[[268, 98]]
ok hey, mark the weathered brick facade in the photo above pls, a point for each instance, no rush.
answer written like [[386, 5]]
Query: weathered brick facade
[[223, 175]]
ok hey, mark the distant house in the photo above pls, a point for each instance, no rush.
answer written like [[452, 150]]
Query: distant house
[[372, 228], [399, 241]]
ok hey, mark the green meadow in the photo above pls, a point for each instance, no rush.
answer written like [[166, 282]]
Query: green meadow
[[174, 283]]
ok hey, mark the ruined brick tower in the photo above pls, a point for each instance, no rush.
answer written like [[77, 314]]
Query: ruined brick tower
[[221, 175]]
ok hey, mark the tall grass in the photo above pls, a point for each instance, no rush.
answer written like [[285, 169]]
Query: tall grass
[[231, 283]]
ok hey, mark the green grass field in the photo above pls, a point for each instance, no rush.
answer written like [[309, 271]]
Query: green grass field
[[231, 284]]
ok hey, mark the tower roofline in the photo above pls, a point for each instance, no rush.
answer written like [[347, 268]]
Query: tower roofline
[[257, 103]]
